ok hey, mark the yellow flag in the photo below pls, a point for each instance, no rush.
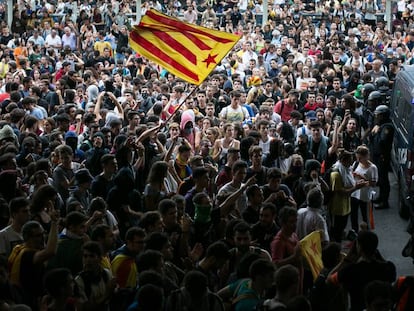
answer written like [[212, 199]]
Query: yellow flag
[[312, 251], [188, 51]]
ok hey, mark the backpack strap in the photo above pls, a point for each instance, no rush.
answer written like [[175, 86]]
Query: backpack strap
[[237, 298]]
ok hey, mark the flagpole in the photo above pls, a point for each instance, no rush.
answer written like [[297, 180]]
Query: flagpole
[[183, 102]]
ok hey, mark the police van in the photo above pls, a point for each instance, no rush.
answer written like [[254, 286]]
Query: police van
[[402, 115]]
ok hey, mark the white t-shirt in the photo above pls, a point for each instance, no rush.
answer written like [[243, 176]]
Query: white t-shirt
[[9, 239], [234, 115], [370, 174]]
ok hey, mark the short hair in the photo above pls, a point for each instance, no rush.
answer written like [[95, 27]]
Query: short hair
[[331, 255], [149, 219], [199, 197], [199, 172], [315, 198], [250, 191], [242, 227], [269, 206], [285, 213], [28, 228], [239, 164], [64, 150], [106, 158], [156, 241], [17, 203], [93, 247], [184, 148], [99, 232], [261, 267], [218, 250], [286, 276], [368, 242], [262, 122], [133, 232], [165, 205], [75, 219], [148, 260]]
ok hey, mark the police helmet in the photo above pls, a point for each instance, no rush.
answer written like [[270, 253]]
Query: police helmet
[[382, 84], [382, 109], [374, 96], [367, 89]]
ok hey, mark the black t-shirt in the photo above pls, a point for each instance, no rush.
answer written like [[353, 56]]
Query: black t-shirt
[[264, 236], [356, 276]]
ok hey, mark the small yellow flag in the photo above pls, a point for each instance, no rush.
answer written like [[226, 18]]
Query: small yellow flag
[[188, 51], [312, 251]]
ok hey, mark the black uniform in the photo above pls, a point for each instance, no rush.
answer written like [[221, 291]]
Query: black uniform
[[381, 145]]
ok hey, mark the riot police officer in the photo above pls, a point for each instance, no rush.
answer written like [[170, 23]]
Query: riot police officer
[[374, 99], [383, 86], [381, 138]]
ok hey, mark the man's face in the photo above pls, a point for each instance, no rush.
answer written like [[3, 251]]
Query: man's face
[[316, 134], [336, 85], [264, 130], [293, 98], [311, 98], [210, 111], [136, 245], [91, 261], [240, 175], [167, 251], [170, 218], [266, 217], [22, 216], [237, 85], [242, 241], [201, 98]]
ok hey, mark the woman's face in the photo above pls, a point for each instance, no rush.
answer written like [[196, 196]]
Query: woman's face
[[206, 124], [229, 131], [47, 126]]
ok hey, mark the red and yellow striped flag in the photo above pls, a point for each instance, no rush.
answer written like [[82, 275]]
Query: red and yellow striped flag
[[188, 51], [312, 251]]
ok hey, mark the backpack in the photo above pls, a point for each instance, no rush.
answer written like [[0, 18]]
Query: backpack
[[237, 298], [404, 294]]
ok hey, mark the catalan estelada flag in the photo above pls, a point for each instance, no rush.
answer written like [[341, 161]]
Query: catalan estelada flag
[[188, 51], [312, 251]]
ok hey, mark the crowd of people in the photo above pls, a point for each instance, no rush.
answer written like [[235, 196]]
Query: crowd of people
[[125, 188]]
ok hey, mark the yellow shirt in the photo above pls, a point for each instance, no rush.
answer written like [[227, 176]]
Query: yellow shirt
[[101, 45], [340, 203]]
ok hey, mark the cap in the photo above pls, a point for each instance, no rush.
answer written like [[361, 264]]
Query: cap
[[311, 115], [70, 134]]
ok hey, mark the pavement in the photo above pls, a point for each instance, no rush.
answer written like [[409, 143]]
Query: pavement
[[392, 234]]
